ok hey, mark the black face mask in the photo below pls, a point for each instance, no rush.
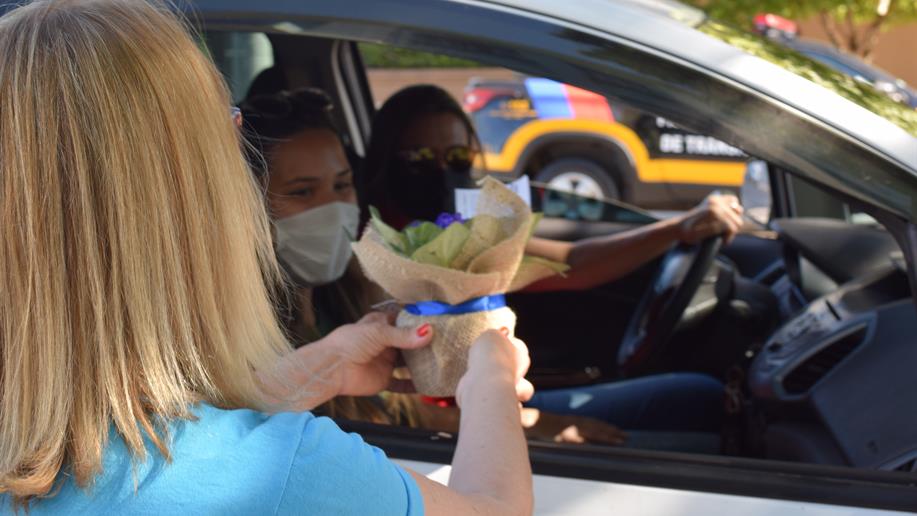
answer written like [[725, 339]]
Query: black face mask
[[423, 192]]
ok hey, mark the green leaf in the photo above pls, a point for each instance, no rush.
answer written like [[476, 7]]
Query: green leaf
[[420, 235], [444, 248], [394, 238]]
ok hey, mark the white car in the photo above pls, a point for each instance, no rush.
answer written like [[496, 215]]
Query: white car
[[823, 390]]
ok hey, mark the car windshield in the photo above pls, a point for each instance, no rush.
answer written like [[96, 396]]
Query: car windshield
[[844, 85], [805, 66]]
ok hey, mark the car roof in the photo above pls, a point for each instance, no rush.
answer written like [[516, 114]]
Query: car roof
[[654, 55]]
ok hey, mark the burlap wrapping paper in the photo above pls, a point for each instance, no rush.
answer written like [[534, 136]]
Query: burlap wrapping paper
[[487, 268]]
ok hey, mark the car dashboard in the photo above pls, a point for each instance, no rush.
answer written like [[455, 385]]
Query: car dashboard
[[843, 363]]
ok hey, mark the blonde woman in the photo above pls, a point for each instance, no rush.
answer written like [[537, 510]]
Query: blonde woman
[[134, 311]]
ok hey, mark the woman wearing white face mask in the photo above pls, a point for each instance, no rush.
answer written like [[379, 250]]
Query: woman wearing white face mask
[[308, 181], [310, 192]]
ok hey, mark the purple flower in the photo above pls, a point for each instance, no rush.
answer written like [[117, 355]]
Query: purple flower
[[447, 219]]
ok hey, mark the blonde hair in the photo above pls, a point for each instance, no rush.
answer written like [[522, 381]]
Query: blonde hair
[[135, 253]]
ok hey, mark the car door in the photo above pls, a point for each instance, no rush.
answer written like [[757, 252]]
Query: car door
[[582, 479]]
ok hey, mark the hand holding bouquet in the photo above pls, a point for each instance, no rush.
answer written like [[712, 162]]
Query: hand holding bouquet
[[453, 274]]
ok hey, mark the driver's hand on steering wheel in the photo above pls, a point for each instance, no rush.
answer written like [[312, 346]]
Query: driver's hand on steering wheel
[[717, 215]]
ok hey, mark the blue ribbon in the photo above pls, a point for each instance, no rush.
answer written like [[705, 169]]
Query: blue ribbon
[[478, 304]]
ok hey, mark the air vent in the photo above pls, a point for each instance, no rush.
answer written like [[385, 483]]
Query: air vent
[[816, 367]]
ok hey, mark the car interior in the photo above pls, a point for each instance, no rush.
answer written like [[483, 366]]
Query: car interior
[[807, 316]]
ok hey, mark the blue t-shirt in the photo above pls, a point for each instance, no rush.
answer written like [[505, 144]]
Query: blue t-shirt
[[243, 462]]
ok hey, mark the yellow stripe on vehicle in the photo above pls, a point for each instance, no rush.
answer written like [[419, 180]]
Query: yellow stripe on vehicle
[[663, 170], [706, 172]]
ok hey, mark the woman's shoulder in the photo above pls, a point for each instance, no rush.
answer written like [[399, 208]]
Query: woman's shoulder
[[242, 462], [306, 461], [227, 432]]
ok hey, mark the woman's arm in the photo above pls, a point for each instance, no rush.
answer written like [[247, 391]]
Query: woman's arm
[[599, 260], [491, 473]]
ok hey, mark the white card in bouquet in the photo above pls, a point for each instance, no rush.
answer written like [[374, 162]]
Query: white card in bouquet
[[466, 199]]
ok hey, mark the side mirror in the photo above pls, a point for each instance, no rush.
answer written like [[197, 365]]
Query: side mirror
[[755, 193]]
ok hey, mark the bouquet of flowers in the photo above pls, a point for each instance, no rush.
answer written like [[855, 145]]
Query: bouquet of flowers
[[453, 274]]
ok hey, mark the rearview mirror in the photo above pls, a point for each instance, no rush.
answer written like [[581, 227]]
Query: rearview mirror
[[756, 192]]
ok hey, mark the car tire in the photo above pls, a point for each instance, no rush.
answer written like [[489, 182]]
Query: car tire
[[580, 176]]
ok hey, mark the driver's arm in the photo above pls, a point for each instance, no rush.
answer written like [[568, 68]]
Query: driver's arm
[[599, 260]]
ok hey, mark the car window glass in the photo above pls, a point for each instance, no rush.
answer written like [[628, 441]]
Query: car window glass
[[755, 193], [241, 56], [567, 139], [555, 203], [812, 201], [844, 85]]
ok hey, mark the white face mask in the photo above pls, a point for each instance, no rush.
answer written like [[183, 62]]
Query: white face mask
[[314, 246]]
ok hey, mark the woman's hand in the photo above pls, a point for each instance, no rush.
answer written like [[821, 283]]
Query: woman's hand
[[717, 215], [354, 360], [368, 351], [495, 360], [562, 428]]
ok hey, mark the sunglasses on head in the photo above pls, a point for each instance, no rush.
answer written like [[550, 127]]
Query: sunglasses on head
[[458, 158]]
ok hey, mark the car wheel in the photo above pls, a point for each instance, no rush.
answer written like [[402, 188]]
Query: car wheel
[[581, 177]]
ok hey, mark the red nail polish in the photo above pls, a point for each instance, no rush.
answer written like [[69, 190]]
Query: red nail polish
[[424, 330]]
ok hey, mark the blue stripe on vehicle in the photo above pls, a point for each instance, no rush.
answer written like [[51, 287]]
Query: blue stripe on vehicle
[[549, 98]]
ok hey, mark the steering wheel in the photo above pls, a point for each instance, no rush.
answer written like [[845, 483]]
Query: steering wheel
[[660, 309]]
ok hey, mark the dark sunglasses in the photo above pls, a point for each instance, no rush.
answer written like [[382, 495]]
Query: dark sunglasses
[[458, 158]]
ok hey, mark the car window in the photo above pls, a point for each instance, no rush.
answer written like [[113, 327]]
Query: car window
[[241, 56], [568, 139], [809, 200]]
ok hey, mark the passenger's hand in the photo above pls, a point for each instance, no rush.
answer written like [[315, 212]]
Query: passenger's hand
[[367, 352], [562, 428], [494, 361], [717, 215]]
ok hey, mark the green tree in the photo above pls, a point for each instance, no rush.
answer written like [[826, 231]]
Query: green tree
[[852, 25]]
